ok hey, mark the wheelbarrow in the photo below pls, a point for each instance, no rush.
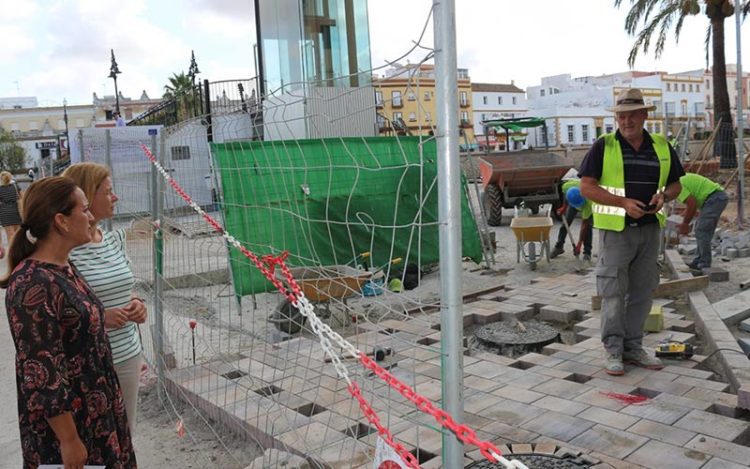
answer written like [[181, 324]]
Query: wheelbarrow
[[320, 285], [532, 238]]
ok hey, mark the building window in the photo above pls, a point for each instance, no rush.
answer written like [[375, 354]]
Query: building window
[[544, 135], [181, 152], [428, 117], [484, 117], [514, 100], [541, 92], [464, 117], [379, 98], [669, 87], [464, 99], [411, 96], [683, 87], [571, 133], [690, 87], [381, 121], [585, 133], [33, 125], [499, 100], [697, 88], [427, 95], [708, 84], [484, 99], [397, 116], [412, 117], [396, 99]]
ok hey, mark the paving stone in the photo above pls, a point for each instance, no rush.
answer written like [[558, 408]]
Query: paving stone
[[703, 383], [684, 401], [735, 308], [610, 385], [558, 314], [564, 406], [556, 425], [662, 412], [512, 412], [610, 441], [578, 368], [512, 434], [475, 382], [545, 448], [539, 359], [667, 456], [529, 380], [661, 432], [723, 449], [718, 463], [607, 417], [693, 373], [745, 325], [664, 386], [718, 426], [562, 388], [608, 462], [597, 398], [518, 394]]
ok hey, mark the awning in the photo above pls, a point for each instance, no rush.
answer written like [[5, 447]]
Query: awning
[[514, 125]]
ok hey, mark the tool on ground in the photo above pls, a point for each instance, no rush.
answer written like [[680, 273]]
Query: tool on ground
[[379, 353], [669, 348]]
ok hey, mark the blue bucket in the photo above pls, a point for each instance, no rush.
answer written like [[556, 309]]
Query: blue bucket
[[373, 287]]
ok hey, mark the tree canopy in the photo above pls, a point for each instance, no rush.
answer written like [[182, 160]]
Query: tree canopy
[[12, 155]]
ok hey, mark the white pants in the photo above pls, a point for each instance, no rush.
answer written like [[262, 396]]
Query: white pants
[[129, 374]]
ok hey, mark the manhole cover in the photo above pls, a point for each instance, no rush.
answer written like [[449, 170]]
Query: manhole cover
[[537, 461], [515, 337]]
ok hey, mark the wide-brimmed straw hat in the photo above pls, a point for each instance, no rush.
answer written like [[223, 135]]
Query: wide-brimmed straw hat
[[630, 99]]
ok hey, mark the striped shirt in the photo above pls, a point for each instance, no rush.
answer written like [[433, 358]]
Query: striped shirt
[[106, 268]]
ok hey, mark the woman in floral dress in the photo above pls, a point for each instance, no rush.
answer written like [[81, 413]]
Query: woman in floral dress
[[70, 406]]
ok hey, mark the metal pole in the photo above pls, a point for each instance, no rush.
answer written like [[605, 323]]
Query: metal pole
[[80, 145], [449, 215], [158, 256], [108, 163], [740, 125]]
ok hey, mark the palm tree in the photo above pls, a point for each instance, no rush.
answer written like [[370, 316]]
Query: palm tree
[[658, 16], [180, 88]]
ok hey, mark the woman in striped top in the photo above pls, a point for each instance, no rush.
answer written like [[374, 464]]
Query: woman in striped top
[[106, 268]]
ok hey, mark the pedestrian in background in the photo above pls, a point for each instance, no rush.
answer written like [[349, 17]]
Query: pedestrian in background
[[628, 176], [575, 203], [104, 264], [10, 198], [701, 193], [70, 407]]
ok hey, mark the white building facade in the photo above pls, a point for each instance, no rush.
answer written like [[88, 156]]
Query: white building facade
[[496, 101]]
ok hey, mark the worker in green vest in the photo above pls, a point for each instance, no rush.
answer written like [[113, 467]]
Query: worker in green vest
[[701, 193], [629, 176], [575, 202]]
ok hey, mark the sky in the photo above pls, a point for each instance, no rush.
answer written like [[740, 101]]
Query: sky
[[60, 49]]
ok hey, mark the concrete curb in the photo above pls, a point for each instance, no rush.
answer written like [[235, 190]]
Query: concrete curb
[[736, 366]]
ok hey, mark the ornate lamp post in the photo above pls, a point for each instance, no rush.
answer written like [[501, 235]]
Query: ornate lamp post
[[193, 70], [113, 72]]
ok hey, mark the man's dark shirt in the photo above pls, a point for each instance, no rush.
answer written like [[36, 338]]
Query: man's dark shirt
[[641, 170]]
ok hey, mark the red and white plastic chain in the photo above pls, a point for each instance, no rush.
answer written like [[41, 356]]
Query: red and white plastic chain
[[323, 331]]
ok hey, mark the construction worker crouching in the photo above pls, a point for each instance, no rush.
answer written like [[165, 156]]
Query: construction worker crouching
[[701, 193], [628, 176], [575, 202]]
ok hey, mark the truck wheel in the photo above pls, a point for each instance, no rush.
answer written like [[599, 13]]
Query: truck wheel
[[493, 205]]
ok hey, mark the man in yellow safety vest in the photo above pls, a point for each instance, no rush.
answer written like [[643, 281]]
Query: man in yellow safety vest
[[629, 176]]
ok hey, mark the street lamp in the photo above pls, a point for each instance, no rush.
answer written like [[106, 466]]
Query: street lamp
[[113, 72], [65, 118]]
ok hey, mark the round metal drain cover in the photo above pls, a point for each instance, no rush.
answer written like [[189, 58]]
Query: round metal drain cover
[[536, 461], [508, 333]]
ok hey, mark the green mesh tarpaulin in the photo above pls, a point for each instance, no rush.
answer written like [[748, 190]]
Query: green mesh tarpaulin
[[327, 201]]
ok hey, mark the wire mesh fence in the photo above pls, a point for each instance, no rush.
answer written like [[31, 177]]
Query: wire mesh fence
[[358, 214]]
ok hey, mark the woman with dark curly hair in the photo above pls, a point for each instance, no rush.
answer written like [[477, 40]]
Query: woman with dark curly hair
[[70, 406]]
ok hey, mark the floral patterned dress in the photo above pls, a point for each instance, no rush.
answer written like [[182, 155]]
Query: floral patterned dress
[[64, 364]]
